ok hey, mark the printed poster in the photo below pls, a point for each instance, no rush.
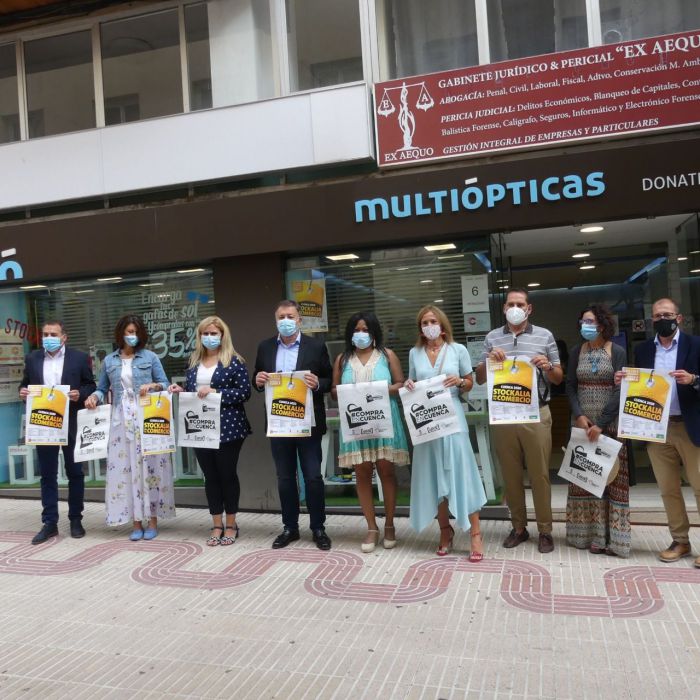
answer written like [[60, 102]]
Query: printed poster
[[156, 423], [289, 405], [92, 438], [429, 410], [589, 464], [644, 404], [365, 411], [512, 391], [198, 420], [308, 289], [47, 415]]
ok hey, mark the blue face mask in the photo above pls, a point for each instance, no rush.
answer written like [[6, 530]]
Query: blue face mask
[[589, 332], [361, 339], [51, 344], [286, 327], [211, 342], [132, 340]]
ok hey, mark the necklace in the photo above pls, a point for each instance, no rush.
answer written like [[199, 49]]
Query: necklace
[[595, 359]]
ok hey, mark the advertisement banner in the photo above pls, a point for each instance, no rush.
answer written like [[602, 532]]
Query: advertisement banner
[[592, 93], [644, 404], [92, 439], [589, 465], [429, 410], [289, 404], [512, 391], [47, 415], [308, 289], [365, 411], [198, 420], [156, 424]]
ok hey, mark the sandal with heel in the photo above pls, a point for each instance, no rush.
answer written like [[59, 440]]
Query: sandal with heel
[[370, 542], [215, 540], [389, 542], [476, 556], [444, 551], [227, 540]]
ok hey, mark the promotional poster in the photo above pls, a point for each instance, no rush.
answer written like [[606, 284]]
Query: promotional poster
[[156, 422], [289, 404], [429, 410], [644, 404], [47, 415], [198, 420], [365, 411], [512, 391]]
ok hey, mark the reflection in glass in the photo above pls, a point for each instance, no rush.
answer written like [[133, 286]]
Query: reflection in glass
[[520, 28], [622, 20], [198, 60], [416, 37], [324, 43], [9, 115], [60, 87], [141, 67]]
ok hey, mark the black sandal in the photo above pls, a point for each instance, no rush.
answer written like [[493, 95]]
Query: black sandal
[[226, 540], [213, 540]]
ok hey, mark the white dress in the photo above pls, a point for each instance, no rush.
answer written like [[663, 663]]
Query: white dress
[[138, 487]]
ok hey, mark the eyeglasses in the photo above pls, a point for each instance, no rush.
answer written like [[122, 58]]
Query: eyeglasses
[[587, 322], [665, 317]]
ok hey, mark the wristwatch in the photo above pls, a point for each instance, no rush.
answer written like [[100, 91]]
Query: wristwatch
[[462, 382], [696, 381]]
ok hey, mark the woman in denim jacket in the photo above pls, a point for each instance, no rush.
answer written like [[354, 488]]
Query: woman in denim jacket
[[139, 488], [216, 367]]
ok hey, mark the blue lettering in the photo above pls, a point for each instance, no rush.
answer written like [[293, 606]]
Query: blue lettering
[[573, 189], [437, 198], [399, 213], [596, 183], [420, 209], [472, 193], [494, 193], [11, 266], [547, 184], [371, 205], [515, 188]]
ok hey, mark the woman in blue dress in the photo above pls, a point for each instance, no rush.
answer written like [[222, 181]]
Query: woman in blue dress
[[444, 476], [365, 359]]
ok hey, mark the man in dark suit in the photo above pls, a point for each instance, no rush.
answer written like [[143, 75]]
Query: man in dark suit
[[673, 350], [53, 365], [291, 351]]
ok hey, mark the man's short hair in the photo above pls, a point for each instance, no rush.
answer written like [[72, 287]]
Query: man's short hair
[[673, 301], [519, 290], [53, 322], [288, 302]]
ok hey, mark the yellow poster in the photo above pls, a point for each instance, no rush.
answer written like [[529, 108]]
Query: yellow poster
[[310, 294], [644, 404], [512, 391], [289, 405], [156, 423], [47, 415]]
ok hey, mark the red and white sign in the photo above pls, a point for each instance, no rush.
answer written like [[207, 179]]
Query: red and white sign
[[592, 93]]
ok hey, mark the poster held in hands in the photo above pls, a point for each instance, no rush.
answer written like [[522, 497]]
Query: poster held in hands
[[365, 411], [199, 420], [47, 415], [429, 410], [92, 438], [155, 412], [512, 391], [289, 404], [645, 404]]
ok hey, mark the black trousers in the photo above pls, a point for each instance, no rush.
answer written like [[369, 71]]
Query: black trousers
[[221, 485], [48, 466]]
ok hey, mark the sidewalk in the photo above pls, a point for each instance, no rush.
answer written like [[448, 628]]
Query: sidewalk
[[105, 618]]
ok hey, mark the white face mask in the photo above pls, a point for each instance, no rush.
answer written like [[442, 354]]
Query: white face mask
[[515, 315], [432, 332]]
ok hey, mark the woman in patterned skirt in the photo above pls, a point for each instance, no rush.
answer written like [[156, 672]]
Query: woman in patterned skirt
[[599, 524], [365, 359]]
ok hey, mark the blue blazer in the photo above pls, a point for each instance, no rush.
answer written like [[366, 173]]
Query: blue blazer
[[76, 373], [688, 358], [233, 384]]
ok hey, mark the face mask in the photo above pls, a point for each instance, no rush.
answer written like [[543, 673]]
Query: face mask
[[515, 315], [589, 332], [361, 340], [51, 344], [211, 342], [287, 327], [432, 332], [665, 327], [132, 340]]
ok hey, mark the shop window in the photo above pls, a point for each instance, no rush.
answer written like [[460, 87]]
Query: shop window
[[141, 57], [60, 84], [520, 28], [198, 57], [416, 37], [622, 20], [324, 43], [9, 120]]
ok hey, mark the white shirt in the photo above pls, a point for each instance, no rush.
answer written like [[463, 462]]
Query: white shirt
[[127, 373], [204, 375], [665, 359], [53, 367]]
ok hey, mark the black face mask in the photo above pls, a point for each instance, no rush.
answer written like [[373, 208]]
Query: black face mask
[[665, 327]]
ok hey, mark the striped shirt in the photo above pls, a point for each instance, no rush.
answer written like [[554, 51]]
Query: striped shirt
[[534, 340]]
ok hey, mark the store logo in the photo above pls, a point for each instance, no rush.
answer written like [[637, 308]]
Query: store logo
[[89, 436], [580, 462], [422, 416], [358, 416], [195, 424], [10, 266]]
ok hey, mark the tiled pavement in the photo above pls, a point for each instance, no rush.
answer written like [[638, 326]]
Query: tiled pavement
[[101, 617]]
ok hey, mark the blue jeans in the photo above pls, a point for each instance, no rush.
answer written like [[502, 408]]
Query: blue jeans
[[285, 452], [48, 466]]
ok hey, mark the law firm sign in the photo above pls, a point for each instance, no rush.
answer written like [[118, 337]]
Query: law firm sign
[[593, 93]]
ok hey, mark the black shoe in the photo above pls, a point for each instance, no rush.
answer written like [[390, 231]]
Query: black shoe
[[285, 538], [321, 539], [48, 530], [76, 529]]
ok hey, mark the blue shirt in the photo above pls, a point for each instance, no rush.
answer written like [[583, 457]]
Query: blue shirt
[[665, 359], [287, 355]]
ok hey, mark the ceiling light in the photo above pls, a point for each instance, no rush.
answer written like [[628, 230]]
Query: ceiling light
[[698, 270], [152, 284], [501, 281], [587, 267], [344, 256], [438, 301], [440, 246], [367, 264], [581, 255], [108, 279], [533, 284], [503, 286], [450, 257], [426, 281], [191, 269], [694, 252], [34, 286], [211, 301], [682, 259], [592, 229], [401, 269], [84, 291]]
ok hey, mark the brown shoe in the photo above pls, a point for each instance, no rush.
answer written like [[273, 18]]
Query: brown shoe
[[546, 543], [515, 538], [676, 551]]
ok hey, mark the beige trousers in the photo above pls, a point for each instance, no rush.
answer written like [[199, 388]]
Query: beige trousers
[[529, 445], [666, 461]]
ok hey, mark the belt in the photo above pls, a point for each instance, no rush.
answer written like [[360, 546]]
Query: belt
[[676, 419]]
